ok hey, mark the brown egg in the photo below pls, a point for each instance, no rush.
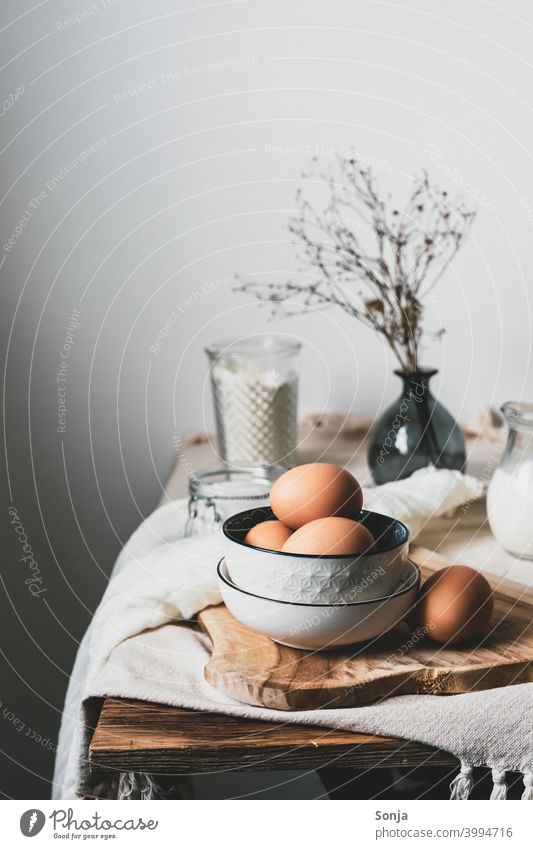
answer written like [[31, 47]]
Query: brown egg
[[455, 604], [314, 491], [330, 536], [271, 534]]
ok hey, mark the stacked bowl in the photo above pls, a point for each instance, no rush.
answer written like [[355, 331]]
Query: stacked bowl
[[315, 570]]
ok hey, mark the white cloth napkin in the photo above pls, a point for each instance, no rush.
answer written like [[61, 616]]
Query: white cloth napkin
[[136, 648], [426, 495]]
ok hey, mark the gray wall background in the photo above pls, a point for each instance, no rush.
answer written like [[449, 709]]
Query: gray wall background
[[154, 150]]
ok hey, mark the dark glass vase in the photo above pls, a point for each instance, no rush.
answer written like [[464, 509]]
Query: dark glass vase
[[414, 432]]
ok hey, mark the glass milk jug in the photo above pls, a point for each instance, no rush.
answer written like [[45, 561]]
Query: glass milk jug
[[510, 492]]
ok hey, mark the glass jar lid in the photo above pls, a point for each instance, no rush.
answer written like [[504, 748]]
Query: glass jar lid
[[234, 483], [257, 345]]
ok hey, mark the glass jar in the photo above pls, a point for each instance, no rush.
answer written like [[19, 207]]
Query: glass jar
[[255, 392], [217, 494], [510, 491]]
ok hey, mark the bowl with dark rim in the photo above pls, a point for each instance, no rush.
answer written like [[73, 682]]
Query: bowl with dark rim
[[321, 626], [311, 579]]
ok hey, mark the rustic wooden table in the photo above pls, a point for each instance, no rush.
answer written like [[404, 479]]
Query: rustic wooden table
[[145, 737], [137, 736]]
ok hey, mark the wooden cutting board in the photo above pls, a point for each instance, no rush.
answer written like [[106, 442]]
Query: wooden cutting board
[[253, 669]]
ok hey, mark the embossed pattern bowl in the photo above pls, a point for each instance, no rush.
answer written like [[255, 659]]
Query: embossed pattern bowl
[[309, 579], [321, 626]]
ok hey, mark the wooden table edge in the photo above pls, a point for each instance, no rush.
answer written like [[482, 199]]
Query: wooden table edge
[[128, 739]]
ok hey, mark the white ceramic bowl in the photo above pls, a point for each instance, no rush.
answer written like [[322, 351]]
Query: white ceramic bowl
[[316, 580], [320, 626]]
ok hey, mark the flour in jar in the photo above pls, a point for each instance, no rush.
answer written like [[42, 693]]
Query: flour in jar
[[256, 411], [510, 507]]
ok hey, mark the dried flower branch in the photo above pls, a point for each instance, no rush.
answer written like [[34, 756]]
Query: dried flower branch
[[382, 283]]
